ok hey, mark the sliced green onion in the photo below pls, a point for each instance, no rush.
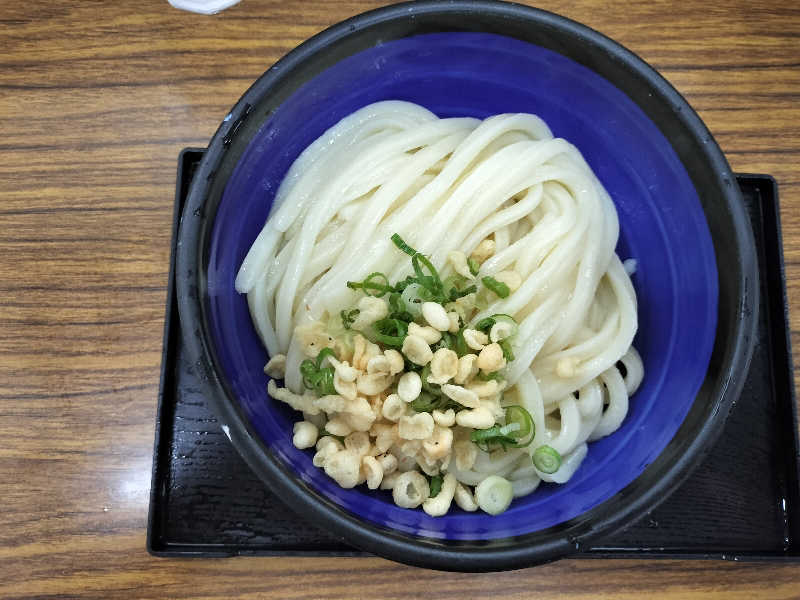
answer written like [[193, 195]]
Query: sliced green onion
[[519, 427], [319, 380], [431, 282], [435, 486], [484, 435], [487, 439], [456, 294], [390, 332], [309, 371], [425, 402], [376, 284], [410, 366], [400, 243], [485, 324], [427, 291], [403, 284], [508, 353], [499, 288], [496, 375], [397, 308], [431, 388], [411, 299], [504, 318], [316, 378], [455, 287], [396, 303], [494, 494], [325, 432], [516, 415], [447, 341], [546, 459], [474, 265], [377, 281], [460, 345], [402, 316], [324, 383], [349, 317], [510, 428], [323, 354], [454, 281]]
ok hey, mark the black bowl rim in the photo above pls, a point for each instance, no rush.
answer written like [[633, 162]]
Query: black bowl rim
[[508, 553]]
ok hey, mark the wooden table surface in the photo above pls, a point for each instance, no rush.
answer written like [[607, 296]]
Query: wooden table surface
[[96, 101]]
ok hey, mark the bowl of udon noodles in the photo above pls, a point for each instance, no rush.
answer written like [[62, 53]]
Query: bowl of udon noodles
[[470, 284]]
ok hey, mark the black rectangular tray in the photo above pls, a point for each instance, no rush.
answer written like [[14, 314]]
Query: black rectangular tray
[[742, 503]]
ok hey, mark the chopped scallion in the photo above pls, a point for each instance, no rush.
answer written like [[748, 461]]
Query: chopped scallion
[[403, 284], [486, 438], [516, 415], [431, 282], [349, 317], [508, 353], [435, 486], [375, 284], [546, 459], [400, 243], [518, 431], [308, 370], [498, 287], [327, 433], [317, 378], [396, 303], [431, 388], [390, 332], [509, 429], [425, 402], [323, 354], [456, 281], [447, 341], [494, 494], [324, 383], [485, 324], [397, 308], [456, 294], [460, 345], [496, 375]]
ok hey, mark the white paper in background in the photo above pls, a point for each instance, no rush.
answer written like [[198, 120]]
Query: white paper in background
[[206, 7]]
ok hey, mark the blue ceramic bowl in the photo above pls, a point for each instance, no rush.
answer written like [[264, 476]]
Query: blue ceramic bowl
[[664, 224]]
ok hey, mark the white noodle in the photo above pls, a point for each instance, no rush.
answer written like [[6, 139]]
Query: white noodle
[[443, 185]]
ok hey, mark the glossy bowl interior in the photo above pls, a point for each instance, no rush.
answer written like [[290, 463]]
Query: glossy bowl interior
[[661, 223], [664, 225]]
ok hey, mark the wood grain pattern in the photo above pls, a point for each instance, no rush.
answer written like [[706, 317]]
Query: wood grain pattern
[[96, 100]]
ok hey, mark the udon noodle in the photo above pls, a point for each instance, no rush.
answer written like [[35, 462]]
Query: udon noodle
[[502, 190]]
